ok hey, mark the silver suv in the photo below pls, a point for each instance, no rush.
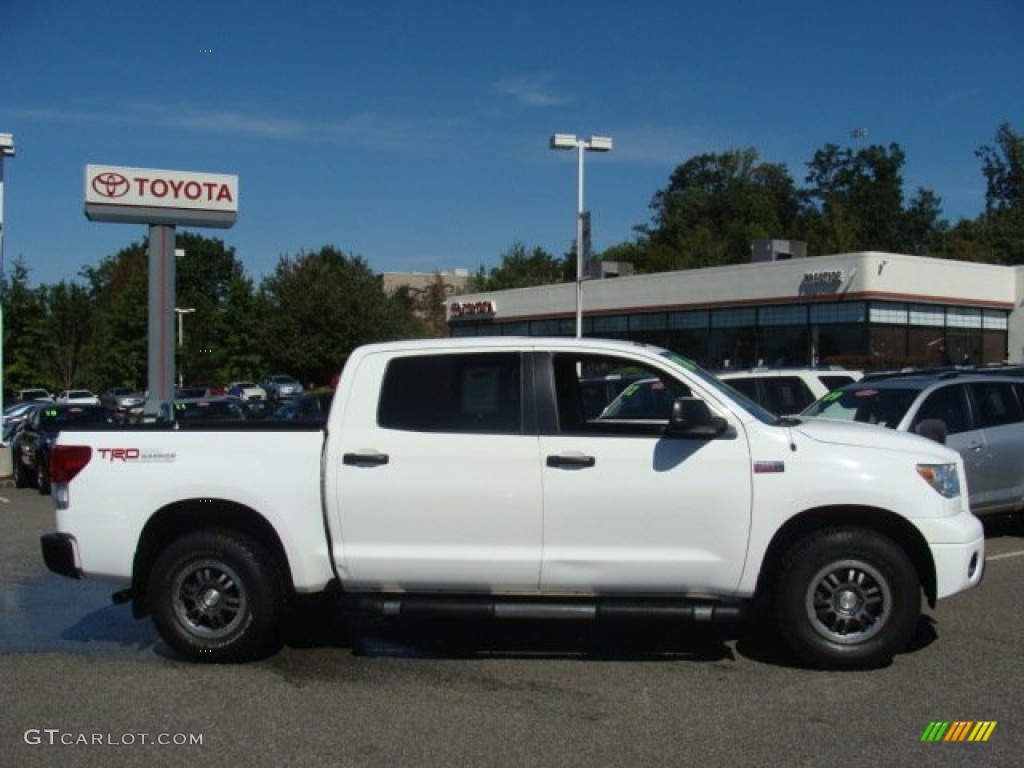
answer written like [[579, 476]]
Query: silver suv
[[981, 416]]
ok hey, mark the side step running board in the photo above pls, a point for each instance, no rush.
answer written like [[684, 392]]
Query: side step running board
[[575, 610]]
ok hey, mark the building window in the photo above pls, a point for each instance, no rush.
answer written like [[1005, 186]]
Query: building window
[[698, 319], [608, 324], [922, 314], [846, 312], [550, 327], [890, 314], [651, 321], [792, 315], [994, 320], [963, 317], [515, 329], [733, 318]]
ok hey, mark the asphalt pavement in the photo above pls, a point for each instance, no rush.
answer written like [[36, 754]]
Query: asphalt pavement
[[85, 684]]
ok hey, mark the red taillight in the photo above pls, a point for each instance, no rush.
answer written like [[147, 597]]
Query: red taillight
[[66, 461]]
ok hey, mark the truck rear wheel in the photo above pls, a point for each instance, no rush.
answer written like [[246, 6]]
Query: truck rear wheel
[[217, 596], [847, 598]]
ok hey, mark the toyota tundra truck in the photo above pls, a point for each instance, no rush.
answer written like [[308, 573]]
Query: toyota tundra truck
[[473, 477]]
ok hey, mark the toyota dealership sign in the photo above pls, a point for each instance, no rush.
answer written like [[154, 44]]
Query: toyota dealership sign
[[149, 196]]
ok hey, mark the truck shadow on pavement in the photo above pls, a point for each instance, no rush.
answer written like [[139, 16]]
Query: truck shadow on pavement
[[482, 638]]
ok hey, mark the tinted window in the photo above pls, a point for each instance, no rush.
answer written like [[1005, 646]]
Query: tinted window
[[54, 419], [997, 404], [453, 393], [642, 408], [786, 394], [747, 386], [949, 405]]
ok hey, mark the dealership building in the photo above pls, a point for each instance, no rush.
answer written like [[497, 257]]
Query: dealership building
[[866, 309]]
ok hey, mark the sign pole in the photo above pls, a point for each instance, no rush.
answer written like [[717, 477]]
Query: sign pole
[[161, 313]]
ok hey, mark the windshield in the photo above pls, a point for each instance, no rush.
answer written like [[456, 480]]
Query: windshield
[[886, 406], [714, 382]]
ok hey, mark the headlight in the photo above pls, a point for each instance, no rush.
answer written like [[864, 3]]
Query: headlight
[[942, 477]]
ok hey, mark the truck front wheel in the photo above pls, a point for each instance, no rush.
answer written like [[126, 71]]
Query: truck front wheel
[[217, 596], [847, 598]]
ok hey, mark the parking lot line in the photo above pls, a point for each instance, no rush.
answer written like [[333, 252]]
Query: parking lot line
[[1004, 556]]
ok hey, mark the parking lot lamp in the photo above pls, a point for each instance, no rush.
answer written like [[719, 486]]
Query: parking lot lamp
[[6, 150], [593, 144], [181, 338]]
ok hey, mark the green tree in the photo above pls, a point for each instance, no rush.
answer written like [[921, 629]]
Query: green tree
[[68, 324], [317, 307], [856, 204], [714, 207], [216, 338], [119, 348], [523, 268], [1003, 166], [25, 332]]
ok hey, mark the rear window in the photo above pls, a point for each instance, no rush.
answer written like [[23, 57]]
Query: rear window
[[55, 419], [453, 393], [997, 404]]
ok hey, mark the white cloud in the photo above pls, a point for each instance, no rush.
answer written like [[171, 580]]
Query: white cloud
[[531, 91]]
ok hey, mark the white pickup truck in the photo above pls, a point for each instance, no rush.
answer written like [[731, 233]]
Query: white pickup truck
[[487, 477]]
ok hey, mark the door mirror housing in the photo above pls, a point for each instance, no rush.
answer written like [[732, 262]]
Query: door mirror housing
[[691, 417]]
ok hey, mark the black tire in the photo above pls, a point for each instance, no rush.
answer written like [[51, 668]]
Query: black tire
[[22, 479], [43, 474], [847, 598], [217, 597]]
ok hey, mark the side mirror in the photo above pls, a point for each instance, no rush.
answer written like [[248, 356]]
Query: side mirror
[[691, 417], [933, 429]]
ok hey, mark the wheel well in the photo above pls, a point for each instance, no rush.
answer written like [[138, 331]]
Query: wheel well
[[188, 516], [895, 527]]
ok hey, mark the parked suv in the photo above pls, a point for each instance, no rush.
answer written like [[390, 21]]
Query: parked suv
[[786, 391], [981, 416]]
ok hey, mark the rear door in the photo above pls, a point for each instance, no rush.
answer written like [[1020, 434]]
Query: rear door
[[998, 481], [436, 474], [627, 509]]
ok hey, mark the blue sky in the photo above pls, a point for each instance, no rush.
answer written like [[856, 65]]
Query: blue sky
[[414, 133]]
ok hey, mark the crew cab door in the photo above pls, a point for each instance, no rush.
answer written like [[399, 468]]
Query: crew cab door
[[436, 474], [627, 508]]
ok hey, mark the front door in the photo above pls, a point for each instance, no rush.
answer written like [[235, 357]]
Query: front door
[[627, 509]]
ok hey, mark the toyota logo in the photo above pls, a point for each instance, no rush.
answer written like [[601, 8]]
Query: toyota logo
[[110, 184]]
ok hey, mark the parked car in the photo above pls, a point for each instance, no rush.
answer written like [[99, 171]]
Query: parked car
[[310, 407], [786, 391], [281, 386], [36, 394], [13, 417], [78, 396], [123, 402], [247, 390], [980, 416], [30, 449]]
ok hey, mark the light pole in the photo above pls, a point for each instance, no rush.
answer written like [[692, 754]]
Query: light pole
[[6, 150], [593, 144], [181, 338]]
